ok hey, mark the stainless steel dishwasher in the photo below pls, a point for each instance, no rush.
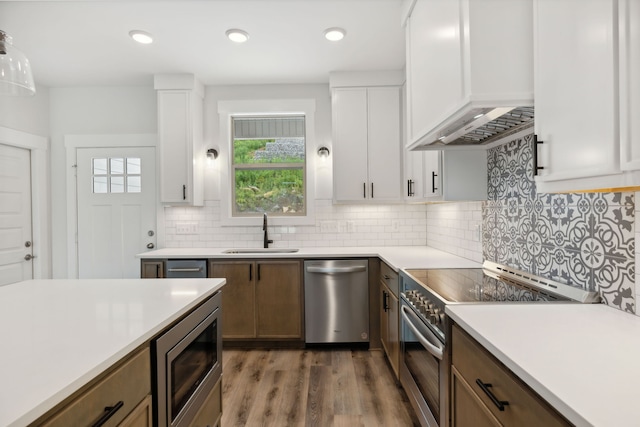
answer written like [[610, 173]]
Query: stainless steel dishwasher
[[336, 301]]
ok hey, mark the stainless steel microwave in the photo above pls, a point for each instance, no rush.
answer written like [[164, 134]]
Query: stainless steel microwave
[[187, 363]]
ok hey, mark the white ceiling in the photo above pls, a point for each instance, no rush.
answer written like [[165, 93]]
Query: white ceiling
[[86, 43]]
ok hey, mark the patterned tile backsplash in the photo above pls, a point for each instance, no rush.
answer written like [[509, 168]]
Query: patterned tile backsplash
[[583, 239]]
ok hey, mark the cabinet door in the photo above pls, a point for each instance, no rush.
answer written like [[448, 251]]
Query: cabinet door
[[432, 174], [174, 133], [393, 334], [467, 410], [141, 416], [629, 27], [350, 176], [238, 298], [279, 299], [384, 148], [575, 88], [435, 88], [384, 317], [180, 141], [152, 269]]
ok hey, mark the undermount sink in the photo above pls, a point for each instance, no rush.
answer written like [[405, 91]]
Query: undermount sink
[[260, 251]]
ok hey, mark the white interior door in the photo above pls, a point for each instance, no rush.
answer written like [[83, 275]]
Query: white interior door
[[15, 215], [116, 210]]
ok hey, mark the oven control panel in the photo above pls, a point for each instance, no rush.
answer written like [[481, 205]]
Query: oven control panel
[[425, 306]]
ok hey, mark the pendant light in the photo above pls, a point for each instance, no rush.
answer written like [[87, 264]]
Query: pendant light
[[15, 70]]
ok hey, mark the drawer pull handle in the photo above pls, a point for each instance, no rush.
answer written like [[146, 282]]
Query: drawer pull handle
[[485, 387], [109, 411]]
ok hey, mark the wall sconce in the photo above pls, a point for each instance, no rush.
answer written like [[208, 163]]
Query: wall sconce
[[323, 152], [212, 154]]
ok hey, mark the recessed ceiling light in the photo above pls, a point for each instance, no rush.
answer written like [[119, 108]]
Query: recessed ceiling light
[[238, 36], [141, 36], [334, 34]]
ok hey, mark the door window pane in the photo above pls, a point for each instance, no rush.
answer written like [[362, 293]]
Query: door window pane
[[100, 184], [117, 184], [117, 166], [133, 184], [99, 166], [133, 166]]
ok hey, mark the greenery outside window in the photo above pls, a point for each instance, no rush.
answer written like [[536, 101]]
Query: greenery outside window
[[268, 165]]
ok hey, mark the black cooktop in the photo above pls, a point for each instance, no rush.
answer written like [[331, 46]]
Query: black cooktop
[[475, 285]]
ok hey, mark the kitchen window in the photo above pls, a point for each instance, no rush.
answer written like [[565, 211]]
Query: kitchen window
[[259, 125], [268, 165]]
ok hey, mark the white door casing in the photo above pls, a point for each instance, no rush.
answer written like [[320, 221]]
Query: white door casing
[[116, 202], [16, 243]]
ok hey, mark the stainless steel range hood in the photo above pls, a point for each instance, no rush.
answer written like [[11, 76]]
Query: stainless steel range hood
[[476, 126]]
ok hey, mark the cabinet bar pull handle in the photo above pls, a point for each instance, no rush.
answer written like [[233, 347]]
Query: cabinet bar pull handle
[[184, 192], [186, 270], [485, 387], [433, 182], [410, 191], [109, 411], [385, 300], [364, 190], [536, 168], [372, 190], [258, 272], [250, 272]]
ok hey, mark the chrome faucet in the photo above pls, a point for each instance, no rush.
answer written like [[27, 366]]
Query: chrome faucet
[[264, 228]]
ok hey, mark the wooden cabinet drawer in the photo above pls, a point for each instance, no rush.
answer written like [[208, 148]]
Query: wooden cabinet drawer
[[524, 408], [390, 278], [211, 411], [129, 383]]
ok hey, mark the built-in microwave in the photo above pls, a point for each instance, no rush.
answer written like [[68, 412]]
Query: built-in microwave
[[187, 363]]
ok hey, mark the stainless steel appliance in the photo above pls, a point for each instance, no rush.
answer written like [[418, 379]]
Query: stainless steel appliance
[[187, 363], [336, 301], [186, 268], [425, 327]]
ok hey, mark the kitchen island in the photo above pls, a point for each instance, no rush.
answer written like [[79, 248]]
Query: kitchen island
[[59, 335], [581, 358]]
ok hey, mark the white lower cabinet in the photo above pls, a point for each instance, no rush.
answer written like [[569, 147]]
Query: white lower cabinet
[[587, 95], [366, 144]]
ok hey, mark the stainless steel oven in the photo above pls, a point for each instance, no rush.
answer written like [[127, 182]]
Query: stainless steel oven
[[425, 368], [187, 363], [426, 329]]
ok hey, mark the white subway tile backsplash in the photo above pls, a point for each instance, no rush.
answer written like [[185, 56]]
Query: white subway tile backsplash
[[358, 225]]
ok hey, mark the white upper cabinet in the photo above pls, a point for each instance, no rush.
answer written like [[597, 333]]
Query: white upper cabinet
[[180, 136], [465, 54], [366, 144], [587, 94], [629, 27]]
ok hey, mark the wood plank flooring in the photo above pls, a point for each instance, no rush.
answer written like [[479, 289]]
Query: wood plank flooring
[[311, 387]]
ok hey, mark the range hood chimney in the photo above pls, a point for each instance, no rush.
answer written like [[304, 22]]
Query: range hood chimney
[[476, 126]]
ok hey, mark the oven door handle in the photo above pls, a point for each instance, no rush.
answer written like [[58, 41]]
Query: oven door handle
[[436, 351]]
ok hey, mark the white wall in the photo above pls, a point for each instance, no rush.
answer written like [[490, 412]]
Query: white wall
[[89, 110], [26, 113]]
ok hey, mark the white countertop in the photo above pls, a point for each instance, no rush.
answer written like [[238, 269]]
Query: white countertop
[[396, 256], [584, 359], [57, 335]]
